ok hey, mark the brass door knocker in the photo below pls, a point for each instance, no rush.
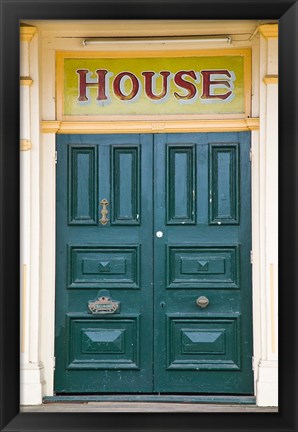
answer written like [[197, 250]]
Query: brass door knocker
[[104, 220]]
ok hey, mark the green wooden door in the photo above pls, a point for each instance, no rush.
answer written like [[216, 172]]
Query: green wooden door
[[202, 207], [157, 298], [104, 352]]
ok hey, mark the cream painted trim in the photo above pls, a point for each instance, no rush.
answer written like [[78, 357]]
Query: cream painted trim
[[141, 27], [26, 81], [27, 33], [25, 145], [270, 79], [24, 295], [245, 52], [169, 126], [269, 30], [272, 308]]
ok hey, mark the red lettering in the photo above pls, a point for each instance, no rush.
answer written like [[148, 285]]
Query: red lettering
[[134, 83], [148, 84], [180, 82], [100, 84], [207, 83]]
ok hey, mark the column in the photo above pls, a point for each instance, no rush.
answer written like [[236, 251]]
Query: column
[[31, 368], [267, 380]]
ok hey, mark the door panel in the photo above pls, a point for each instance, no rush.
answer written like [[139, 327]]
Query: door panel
[[205, 253], [224, 183], [82, 185], [104, 352], [125, 188], [114, 193], [180, 184]]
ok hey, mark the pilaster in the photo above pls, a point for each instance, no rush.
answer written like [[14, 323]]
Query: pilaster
[[267, 381], [30, 374]]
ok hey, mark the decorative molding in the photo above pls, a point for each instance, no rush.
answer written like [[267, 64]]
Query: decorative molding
[[147, 126], [27, 33], [26, 81], [253, 123], [31, 374], [269, 30], [270, 79], [50, 126], [267, 383], [25, 145]]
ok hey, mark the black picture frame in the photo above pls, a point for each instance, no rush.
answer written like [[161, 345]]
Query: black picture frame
[[12, 11]]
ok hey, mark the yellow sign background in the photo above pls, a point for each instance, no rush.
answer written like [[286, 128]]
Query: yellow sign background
[[68, 81]]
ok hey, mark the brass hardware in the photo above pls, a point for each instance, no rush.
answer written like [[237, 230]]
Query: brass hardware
[[103, 304], [104, 220], [202, 302]]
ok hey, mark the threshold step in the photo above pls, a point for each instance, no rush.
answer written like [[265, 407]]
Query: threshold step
[[222, 399]]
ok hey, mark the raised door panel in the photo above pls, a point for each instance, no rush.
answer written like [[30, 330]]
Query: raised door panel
[[203, 267], [203, 343], [125, 185], [104, 267], [103, 343], [224, 183], [181, 187], [82, 185]]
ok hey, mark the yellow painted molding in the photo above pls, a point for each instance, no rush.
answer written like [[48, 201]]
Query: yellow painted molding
[[253, 123], [269, 30], [25, 145], [50, 126], [27, 33], [270, 79], [147, 126], [26, 81]]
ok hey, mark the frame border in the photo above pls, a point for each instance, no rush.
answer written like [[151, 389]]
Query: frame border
[[11, 12]]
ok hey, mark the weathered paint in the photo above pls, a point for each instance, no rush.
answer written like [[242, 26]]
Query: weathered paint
[[200, 83], [192, 191]]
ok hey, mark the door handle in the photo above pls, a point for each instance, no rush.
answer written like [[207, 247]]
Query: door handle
[[202, 302], [104, 203]]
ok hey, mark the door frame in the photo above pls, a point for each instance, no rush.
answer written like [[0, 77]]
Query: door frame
[[51, 154], [43, 202]]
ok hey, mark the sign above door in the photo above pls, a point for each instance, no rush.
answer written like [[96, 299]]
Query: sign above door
[[192, 84]]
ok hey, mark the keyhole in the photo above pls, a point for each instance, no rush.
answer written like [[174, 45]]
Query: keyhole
[[162, 304]]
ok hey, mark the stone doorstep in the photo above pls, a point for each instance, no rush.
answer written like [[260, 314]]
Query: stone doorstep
[[143, 407]]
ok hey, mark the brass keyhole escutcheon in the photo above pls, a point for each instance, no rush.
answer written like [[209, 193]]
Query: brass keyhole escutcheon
[[104, 203], [202, 302]]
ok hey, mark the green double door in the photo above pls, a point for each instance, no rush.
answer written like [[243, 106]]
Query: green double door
[[153, 273]]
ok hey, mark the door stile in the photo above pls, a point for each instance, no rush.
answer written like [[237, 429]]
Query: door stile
[[160, 305]]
